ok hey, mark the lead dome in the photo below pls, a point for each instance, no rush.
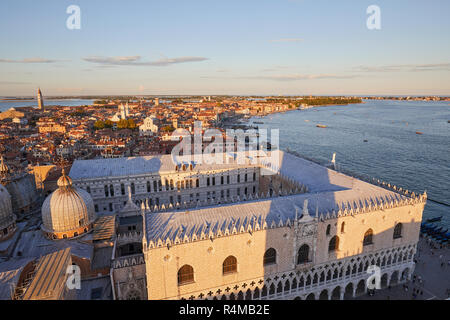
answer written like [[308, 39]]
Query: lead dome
[[68, 211]]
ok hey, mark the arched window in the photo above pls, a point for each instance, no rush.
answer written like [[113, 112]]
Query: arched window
[[398, 231], [185, 275], [333, 244], [343, 227], [133, 295], [368, 237], [303, 254], [229, 265], [270, 257], [133, 188], [328, 229]]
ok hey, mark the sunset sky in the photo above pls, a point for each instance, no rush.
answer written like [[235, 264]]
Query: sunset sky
[[241, 47]]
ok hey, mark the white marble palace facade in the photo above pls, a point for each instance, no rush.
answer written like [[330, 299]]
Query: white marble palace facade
[[304, 232], [161, 184]]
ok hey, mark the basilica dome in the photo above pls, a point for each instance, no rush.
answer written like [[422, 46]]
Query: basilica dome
[[68, 211], [22, 188], [7, 218]]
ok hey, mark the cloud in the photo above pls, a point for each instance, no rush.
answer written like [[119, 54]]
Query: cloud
[[13, 82], [136, 61], [404, 68], [296, 77], [287, 40], [287, 77], [30, 60]]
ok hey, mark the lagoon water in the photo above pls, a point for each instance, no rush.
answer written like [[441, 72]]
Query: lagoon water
[[7, 104], [393, 151]]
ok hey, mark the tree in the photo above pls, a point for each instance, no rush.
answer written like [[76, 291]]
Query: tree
[[99, 125], [108, 124], [122, 124], [131, 124]]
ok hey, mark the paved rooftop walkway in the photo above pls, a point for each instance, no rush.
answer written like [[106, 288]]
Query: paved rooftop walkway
[[431, 281]]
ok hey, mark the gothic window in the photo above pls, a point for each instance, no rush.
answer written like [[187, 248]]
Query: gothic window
[[254, 176], [328, 229], [185, 275], [148, 186], [287, 286], [303, 254], [88, 189], [111, 190], [133, 295], [272, 289], [256, 293], [228, 179], [122, 188], [106, 191], [322, 277], [221, 180], [398, 231], [343, 227], [155, 186], [238, 178], [333, 244], [229, 265], [197, 183], [368, 237], [213, 181], [245, 178], [207, 181], [270, 257], [133, 189]]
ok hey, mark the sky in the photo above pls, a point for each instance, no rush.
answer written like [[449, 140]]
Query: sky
[[241, 47]]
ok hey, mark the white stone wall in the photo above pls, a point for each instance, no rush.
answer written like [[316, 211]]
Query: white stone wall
[[326, 272]]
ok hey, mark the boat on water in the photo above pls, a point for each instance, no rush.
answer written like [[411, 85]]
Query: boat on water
[[258, 122], [365, 140], [320, 126], [418, 132]]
